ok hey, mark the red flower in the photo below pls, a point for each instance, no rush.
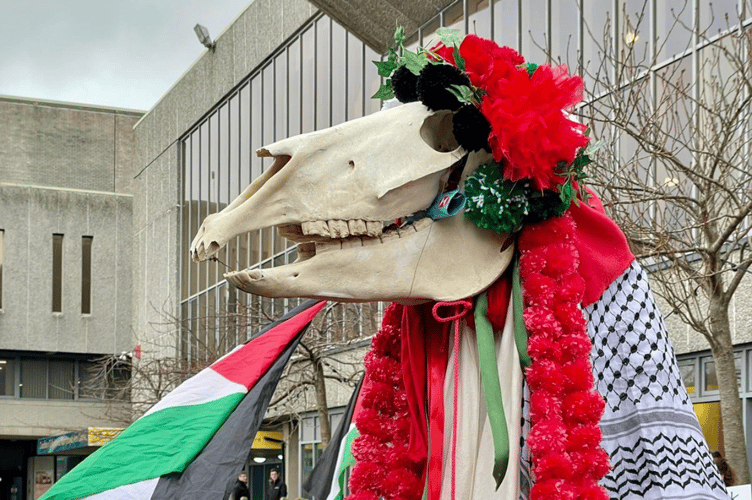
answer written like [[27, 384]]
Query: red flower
[[484, 59], [544, 405], [552, 466], [547, 437], [582, 437], [542, 347], [528, 124], [441, 50], [367, 476]]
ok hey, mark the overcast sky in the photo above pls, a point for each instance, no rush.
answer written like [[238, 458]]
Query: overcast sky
[[122, 53]]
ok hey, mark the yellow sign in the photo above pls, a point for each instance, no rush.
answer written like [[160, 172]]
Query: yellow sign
[[100, 436], [268, 440]]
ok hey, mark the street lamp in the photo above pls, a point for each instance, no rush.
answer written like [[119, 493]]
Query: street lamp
[[203, 36]]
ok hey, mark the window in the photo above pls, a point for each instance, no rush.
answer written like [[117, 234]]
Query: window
[[86, 274], [33, 378], [2, 243], [711, 379], [309, 434], [687, 369], [47, 378], [7, 377], [71, 378], [61, 374], [104, 378], [57, 273]]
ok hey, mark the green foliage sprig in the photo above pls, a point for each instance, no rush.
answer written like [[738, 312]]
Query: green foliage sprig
[[398, 56], [504, 206]]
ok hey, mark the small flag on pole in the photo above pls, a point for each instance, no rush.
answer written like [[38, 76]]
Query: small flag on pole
[[327, 479], [192, 444]]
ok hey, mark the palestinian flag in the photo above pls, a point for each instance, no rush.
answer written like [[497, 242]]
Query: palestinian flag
[[192, 444], [327, 479]]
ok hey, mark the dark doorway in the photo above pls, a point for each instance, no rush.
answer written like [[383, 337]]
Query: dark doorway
[[259, 477], [14, 455]]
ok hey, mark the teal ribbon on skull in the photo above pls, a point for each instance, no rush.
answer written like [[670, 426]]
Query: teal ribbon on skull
[[446, 205]]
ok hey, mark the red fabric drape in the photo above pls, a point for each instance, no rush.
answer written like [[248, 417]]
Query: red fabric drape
[[603, 248]]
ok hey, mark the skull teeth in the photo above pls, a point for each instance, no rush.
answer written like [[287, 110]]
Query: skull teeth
[[316, 228], [339, 229]]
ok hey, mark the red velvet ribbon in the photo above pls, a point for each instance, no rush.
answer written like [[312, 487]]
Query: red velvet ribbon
[[425, 352]]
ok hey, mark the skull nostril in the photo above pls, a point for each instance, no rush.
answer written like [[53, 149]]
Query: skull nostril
[[351, 163]]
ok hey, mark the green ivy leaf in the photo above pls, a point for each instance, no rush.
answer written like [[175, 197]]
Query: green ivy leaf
[[463, 93], [414, 62], [458, 59], [593, 147], [385, 92], [386, 68], [393, 56], [531, 67], [449, 37], [399, 36], [567, 192]]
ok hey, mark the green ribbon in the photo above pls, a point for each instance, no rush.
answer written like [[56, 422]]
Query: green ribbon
[[489, 372], [520, 332]]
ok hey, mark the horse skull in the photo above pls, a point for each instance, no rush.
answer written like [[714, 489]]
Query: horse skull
[[331, 191]]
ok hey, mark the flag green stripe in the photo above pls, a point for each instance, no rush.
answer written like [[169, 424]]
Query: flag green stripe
[[347, 460], [155, 445]]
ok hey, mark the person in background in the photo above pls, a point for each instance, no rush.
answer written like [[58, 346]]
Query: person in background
[[276, 489], [727, 473], [240, 492]]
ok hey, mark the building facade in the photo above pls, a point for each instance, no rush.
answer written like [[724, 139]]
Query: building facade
[[130, 192], [313, 71], [66, 211]]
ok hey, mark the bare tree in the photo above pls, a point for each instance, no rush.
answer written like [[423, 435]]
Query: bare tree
[[330, 353], [675, 173], [325, 354]]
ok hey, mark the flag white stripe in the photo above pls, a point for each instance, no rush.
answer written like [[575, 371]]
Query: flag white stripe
[[207, 385], [340, 456], [137, 491]]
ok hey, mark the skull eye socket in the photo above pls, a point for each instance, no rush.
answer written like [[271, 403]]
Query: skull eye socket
[[436, 131]]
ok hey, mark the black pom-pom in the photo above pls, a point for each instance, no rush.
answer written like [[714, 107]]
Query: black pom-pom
[[405, 84], [471, 128], [433, 82]]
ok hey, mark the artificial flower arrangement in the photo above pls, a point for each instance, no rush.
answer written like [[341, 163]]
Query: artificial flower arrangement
[[518, 112], [513, 109]]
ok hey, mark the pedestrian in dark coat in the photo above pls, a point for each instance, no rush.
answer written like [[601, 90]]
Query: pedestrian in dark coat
[[240, 491], [276, 489]]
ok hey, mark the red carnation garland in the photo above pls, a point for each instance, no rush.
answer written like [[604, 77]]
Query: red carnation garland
[[565, 409], [383, 469]]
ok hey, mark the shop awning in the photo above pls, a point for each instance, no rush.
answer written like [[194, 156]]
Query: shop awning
[[77, 442]]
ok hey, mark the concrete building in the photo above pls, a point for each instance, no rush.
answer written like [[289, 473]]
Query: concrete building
[[138, 188], [66, 210]]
